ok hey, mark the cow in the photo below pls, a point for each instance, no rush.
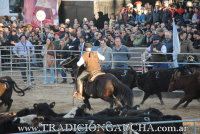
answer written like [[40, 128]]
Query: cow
[[157, 81], [7, 85], [40, 109], [190, 84]]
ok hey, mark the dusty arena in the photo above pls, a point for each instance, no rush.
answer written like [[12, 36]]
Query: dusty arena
[[62, 95]]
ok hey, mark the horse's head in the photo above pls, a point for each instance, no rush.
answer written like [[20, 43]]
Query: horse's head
[[70, 61], [173, 82]]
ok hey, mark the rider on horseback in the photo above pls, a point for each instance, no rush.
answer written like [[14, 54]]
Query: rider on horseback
[[91, 60]]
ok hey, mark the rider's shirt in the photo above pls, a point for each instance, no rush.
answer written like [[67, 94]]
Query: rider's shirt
[[91, 59]]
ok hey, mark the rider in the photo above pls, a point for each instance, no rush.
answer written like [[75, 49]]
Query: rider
[[91, 60]]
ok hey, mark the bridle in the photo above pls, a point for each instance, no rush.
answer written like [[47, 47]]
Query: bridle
[[70, 61]]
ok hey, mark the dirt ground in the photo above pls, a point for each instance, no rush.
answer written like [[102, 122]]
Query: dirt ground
[[64, 102]]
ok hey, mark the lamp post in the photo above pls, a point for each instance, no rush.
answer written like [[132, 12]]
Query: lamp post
[[41, 15]]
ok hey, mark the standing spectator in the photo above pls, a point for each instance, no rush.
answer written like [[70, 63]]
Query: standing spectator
[[82, 44], [149, 16], [13, 38], [195, 19], [186, 47], [74, 42], [120, 53], [63, 55], [160, 32], [24, 50], [49, 61], [156, 14], [186, 16], [107, 53], [158, 51], [196, 44], [112, 20], [168, 42]]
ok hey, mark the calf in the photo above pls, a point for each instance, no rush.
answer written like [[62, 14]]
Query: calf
[[190, 84], [157, 81], [6, 89]]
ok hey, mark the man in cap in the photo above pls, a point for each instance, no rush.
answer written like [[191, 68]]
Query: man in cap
[[158, 51], [160, 32], [23, 50], [139, 39], [91, 60]]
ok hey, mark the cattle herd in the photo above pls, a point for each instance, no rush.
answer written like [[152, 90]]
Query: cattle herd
[[152, 82]]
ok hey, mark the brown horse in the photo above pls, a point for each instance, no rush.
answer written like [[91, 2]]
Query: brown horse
[[190, 84], [106, 87]]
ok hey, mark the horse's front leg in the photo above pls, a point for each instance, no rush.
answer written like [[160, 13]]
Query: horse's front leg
[[87, 102], [111, 100]]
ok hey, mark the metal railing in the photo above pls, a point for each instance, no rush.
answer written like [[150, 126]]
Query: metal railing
[[10, 66]]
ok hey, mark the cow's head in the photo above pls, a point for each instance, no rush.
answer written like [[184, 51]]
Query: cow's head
[[173, 82], [44, 109]]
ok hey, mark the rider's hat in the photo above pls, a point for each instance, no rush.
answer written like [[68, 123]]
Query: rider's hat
[[88, 45]]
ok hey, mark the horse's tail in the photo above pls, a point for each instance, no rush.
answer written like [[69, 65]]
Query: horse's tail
[[11, 83], [123, 92], [19, 90]]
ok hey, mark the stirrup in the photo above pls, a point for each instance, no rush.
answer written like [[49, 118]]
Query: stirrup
[[78, 96]]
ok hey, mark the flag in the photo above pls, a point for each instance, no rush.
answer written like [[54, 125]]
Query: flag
[[176, 44]]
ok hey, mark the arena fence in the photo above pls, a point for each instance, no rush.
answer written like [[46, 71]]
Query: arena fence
[[10, 65], [189, 127]]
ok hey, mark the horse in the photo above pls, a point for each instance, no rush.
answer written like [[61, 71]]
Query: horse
[[105, 86], [126, 76]]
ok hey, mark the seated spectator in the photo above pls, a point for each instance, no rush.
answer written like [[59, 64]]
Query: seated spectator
[[149, 36], [140, 17], [158, 53], [107, 53], [126, 38], [139, 39], [120, 55]]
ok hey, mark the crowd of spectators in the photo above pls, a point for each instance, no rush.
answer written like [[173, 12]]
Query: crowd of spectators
[[137, 26]]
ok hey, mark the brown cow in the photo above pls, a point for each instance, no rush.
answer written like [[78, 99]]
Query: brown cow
[[7, 85], [190, 84]]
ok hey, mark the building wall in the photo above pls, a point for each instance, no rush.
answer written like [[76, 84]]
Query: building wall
[[87, 8], [106, 6]]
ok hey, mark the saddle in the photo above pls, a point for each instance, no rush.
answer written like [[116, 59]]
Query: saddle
[[93, 75], [3, 88]]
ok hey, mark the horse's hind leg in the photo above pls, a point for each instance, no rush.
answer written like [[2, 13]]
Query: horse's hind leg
[[180, 102], [87, 102]]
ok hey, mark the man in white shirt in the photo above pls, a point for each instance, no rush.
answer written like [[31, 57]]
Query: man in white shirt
[[91, 60]]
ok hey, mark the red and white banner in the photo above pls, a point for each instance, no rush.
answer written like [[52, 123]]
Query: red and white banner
[[50, 7]]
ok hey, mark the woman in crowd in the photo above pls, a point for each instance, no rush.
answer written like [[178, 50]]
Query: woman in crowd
[[49, 61]]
